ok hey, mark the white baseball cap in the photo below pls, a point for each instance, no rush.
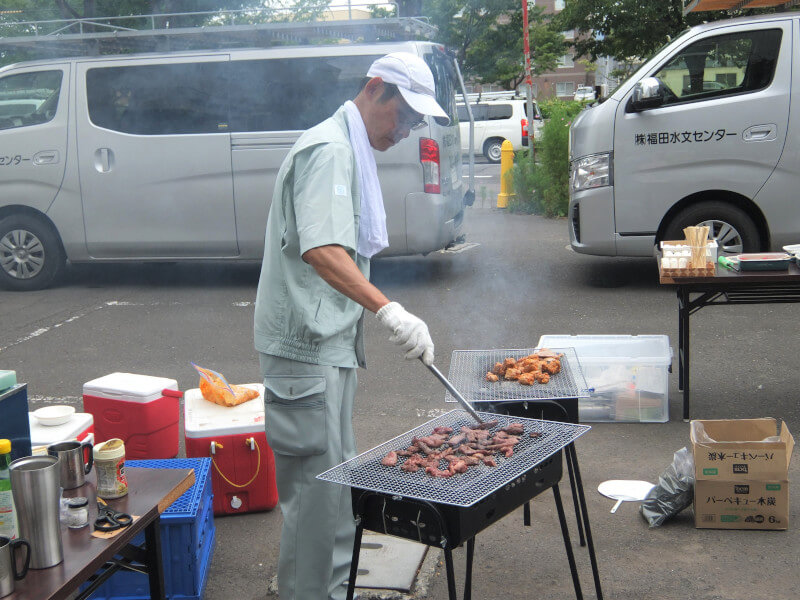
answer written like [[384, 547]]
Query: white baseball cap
[[413, 78]]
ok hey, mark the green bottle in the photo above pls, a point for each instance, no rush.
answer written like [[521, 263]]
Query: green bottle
[[8, 517]]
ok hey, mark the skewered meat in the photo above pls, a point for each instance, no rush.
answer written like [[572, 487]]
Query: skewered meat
[[390, 460]]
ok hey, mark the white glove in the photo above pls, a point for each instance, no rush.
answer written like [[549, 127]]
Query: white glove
[[408, 331]]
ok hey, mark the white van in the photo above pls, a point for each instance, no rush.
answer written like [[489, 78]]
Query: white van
[[497, 118], [704, 133], [173, 156]]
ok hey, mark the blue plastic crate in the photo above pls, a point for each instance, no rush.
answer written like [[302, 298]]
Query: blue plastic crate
[[187, 540]]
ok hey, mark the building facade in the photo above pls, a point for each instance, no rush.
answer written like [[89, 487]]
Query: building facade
[[569, 74]]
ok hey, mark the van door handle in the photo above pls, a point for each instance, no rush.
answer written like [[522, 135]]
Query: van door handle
[[760, 133], [103, 160], [45, 157]]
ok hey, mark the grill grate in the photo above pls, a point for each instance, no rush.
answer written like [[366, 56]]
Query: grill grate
[[365, 471], [468, 375]]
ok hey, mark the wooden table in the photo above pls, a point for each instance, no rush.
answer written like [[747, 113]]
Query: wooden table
[[725, 287], [150, 492]]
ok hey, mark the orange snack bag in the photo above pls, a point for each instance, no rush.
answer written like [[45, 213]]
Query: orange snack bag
[[216, 389]]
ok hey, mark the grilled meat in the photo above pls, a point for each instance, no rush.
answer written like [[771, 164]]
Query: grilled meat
[[514, 429], [390, 460], [471, 446]]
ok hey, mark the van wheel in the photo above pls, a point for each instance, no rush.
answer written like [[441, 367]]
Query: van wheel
[[492, 150], [733, 228], [31, 255]]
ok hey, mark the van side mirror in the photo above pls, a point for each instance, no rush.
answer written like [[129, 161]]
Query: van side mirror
[[648, 93]]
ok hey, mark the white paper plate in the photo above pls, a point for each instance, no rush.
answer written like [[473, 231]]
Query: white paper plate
[[51, 416], [793, 249]]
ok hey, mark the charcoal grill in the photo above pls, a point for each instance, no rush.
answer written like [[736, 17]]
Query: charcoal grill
[[468, 370], [448, 512], [557, 400]]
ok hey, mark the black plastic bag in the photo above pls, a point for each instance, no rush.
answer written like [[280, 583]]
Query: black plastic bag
[[674, 491]]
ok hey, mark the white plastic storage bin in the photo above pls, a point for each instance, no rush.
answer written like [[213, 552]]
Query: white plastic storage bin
[[628, 375]]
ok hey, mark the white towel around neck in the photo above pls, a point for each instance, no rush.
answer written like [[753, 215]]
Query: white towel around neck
[[372, 235]]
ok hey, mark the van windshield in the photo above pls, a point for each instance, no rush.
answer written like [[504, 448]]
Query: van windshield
[[446, 80]]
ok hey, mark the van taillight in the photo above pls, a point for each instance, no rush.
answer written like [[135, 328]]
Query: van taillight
[[429, 157], [524, 123]]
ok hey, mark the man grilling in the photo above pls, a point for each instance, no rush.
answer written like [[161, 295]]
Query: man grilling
[[326, 222]]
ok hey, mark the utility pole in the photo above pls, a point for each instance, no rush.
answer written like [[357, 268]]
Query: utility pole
[[528, 81]]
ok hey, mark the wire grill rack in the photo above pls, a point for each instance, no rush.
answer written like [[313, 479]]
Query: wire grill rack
[[468, 370], [366, 472]]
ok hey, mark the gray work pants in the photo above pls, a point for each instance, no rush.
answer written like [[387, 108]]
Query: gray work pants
[[308, 420]]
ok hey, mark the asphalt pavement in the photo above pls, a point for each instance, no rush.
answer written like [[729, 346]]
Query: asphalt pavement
[[519, 282]]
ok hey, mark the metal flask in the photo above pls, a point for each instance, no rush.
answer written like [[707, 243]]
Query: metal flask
[[35, 482]]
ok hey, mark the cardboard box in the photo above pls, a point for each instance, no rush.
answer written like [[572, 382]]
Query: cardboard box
[[741, 449], [741, 504]]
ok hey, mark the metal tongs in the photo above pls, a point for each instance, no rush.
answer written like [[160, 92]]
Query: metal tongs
[[465, 405]]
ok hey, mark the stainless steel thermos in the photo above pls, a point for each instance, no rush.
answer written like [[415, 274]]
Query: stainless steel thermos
[[35, 481]]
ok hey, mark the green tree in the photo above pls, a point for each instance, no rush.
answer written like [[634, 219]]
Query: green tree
[[630, 29], [486, 36]]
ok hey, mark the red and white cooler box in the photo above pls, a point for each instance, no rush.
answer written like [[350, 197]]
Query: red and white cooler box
[[243, 466], [80, 427], [141, 410]]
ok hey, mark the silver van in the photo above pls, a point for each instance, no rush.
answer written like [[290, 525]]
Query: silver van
[[173, 156], [703, 133]]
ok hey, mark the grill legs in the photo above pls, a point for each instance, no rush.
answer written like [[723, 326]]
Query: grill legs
[[562, 519], [572, 465], [351, 581]]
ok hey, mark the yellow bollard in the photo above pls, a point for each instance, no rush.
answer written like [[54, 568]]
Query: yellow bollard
[[506, 162]]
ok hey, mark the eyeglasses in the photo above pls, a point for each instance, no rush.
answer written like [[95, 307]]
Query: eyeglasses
[[411, 122]]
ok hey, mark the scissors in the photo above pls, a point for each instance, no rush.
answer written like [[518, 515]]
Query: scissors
[[109, 519]]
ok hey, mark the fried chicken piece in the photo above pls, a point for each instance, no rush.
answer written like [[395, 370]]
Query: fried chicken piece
[[547, 353], [509, 363], [492, 377], [551, 366], [499, 369], [541, 377], [526, 379], [528, 365], [390, 460], [512, 374], [443, 430], [489, 461]]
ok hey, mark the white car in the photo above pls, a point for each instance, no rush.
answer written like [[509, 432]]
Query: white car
[[497, 119], [584, 92]]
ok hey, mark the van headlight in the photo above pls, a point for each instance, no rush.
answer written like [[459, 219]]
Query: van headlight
[[590, 172]]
